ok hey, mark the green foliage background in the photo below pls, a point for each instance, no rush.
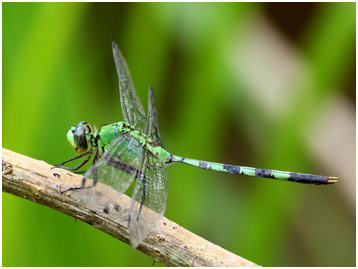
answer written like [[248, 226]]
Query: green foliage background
[[58, 70]]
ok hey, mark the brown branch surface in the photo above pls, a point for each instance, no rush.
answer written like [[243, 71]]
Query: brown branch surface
[[169, 243]]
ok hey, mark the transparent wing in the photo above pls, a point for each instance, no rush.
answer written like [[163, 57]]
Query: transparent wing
[[132, 109], [152, 129], [150, 193], [119, 164], [148, 201]]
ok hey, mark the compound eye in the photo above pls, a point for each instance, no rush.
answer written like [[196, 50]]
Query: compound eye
[[80, 137]]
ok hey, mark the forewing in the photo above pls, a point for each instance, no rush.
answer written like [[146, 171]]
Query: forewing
[[132, 109], [152, 129], [120, 163], [152, 193]]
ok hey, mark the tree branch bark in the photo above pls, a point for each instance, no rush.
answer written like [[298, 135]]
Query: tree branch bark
[[169, 243]]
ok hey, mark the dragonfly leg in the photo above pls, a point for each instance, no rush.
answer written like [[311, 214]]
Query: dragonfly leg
[[80, 172], [84, 178], [83, 184], [61, 165], [143, 197]]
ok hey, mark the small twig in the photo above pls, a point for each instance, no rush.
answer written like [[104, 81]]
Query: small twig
[[169, 243]]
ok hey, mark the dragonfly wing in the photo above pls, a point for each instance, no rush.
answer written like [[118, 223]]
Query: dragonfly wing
[[150, 193], [152, 129], [120, 163], [149, 200], [132, 109]]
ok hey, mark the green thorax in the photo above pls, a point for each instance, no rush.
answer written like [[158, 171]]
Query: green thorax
[[108, 132]]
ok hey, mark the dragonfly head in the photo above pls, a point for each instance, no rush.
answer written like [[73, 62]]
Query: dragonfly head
[[80, 137]]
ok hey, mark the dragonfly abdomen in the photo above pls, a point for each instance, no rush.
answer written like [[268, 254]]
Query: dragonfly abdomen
[[257, 172]]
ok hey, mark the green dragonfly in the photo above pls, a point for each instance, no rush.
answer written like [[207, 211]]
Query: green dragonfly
[[132, 150]]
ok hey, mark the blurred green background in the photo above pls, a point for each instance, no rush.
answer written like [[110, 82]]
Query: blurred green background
[[256, 84]]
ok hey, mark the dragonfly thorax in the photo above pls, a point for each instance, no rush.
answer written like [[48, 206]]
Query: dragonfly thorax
[[109, 132], [81, 137]]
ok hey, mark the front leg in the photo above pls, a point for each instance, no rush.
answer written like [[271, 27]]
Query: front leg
[[61, 165], [84, 178]]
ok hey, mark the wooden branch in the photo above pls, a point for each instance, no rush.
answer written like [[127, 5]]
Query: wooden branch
[[169, 243]]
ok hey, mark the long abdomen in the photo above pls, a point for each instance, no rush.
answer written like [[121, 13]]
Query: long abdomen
[[257, 172]]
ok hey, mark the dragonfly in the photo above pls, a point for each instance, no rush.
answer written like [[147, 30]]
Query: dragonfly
[[132, 150]]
